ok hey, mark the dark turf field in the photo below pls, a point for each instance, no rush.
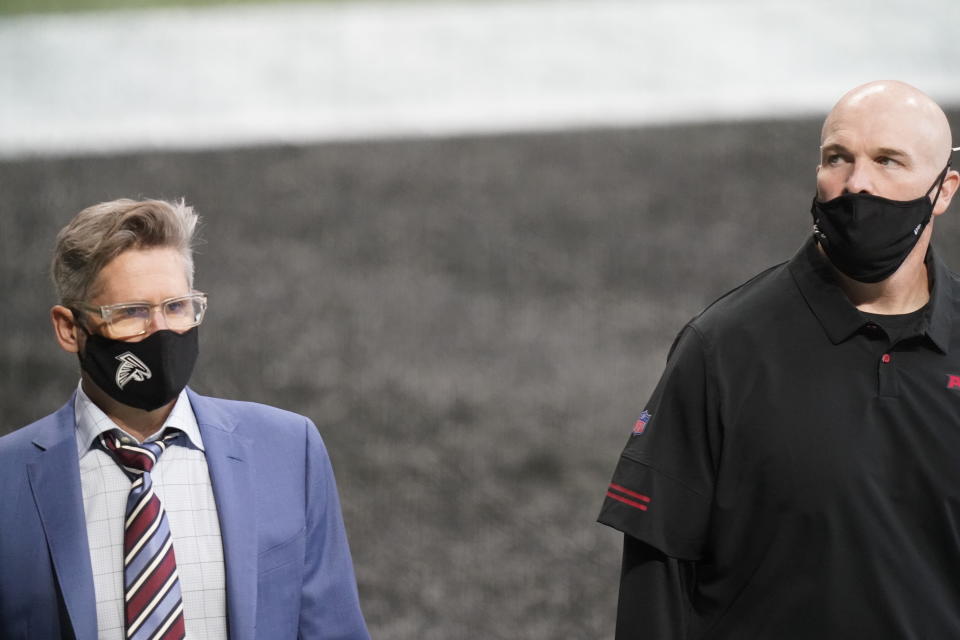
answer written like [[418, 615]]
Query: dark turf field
[[474, 325]]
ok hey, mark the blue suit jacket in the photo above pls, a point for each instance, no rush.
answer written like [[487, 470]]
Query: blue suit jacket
[[288, 567]]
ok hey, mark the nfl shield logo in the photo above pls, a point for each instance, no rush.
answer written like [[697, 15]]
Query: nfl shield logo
[[641, 423]]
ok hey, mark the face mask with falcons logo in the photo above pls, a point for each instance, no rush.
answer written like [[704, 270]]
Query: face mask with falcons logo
[[146, 374]]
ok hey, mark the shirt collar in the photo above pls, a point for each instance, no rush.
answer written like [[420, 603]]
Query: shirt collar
[[818, 284], [92, 421], [938, 322]]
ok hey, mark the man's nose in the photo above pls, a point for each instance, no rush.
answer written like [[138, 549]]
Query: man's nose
[[157, 320], [859, 180]]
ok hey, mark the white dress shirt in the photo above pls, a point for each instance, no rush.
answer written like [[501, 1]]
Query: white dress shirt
[[182, 482]]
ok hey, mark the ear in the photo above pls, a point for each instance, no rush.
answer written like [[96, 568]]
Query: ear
[[65, 329], [950, 184]]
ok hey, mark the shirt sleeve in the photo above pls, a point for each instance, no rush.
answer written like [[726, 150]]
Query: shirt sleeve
[[662, 487], [654, 594]]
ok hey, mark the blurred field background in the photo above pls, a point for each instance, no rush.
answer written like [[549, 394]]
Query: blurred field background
[[473, 322]]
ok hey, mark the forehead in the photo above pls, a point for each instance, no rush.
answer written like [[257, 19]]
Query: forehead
[[869, 127], [867, 130], [149, 275]]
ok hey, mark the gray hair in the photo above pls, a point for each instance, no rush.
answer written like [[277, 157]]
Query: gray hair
[[100, 233]]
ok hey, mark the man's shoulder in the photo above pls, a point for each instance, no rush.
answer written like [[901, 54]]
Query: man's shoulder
[[37, 435], [281, 441], [245, 408], [22, 436], [954, 278], [755, 301], [246, 416]]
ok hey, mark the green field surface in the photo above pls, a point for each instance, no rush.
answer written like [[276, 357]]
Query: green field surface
[[473, 323]]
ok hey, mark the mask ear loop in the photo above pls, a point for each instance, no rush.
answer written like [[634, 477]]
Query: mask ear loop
[[939, 183], [78, 320]]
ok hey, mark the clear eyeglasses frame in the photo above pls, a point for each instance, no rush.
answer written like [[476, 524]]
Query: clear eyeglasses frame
[[131, 319]]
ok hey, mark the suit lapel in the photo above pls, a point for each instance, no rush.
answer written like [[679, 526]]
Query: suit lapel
[[55, 483], [231, 474]]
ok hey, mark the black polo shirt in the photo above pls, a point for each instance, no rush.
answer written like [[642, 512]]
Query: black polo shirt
[[809, 466]]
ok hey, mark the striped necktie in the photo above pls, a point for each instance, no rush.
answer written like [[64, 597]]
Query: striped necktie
[[153, 607]]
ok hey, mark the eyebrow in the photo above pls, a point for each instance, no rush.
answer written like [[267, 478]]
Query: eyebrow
[[883, 151], [890, 151], [824, 148]]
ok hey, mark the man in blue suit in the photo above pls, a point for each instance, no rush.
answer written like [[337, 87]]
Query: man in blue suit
[[141, 509]]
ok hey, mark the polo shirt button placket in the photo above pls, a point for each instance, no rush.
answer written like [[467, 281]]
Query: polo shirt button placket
[[887, 377]]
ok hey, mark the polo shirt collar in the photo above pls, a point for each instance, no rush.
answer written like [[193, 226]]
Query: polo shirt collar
[[938, 321], [840, 319], [92, 421]]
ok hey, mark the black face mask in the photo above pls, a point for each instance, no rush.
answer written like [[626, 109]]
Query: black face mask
[[868, 237], [146, 374]]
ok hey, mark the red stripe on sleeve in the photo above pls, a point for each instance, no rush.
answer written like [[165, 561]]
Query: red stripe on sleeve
[[634, 494], [628, 501]]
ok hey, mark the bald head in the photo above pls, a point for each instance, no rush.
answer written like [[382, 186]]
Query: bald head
[[887, 139], [904, 115]]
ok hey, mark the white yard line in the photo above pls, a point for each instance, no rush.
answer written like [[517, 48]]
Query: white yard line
[[223, 76]]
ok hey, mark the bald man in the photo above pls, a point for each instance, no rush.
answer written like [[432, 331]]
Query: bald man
[[796, 472]]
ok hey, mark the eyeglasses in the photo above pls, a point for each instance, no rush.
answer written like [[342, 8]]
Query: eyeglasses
[[131, 319]]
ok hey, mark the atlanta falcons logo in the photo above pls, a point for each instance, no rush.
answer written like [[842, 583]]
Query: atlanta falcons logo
[[131, 368]]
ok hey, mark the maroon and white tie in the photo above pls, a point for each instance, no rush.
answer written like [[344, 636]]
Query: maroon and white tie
[[153, 604]]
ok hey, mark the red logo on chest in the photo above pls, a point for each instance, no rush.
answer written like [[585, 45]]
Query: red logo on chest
[[953, 382]]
